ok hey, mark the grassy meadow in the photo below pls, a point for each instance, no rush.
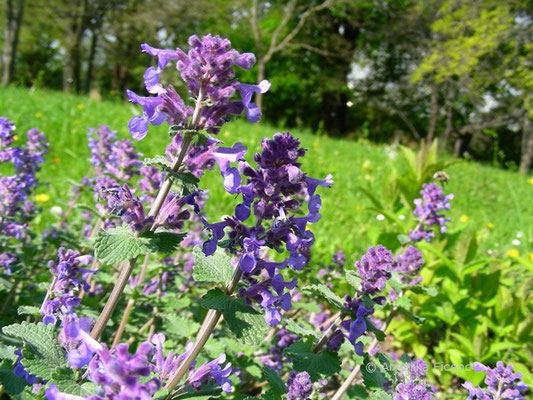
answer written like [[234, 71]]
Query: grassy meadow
[[495, 202]]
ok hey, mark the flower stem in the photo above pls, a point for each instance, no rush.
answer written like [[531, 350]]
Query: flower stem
[[351, 378], [127, 266], [327, 335], [210, 322]]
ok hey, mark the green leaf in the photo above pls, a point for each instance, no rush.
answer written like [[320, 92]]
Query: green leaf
[[324, 292], [317, 366], [246, 323], [353, 279], [380, 395], [373, 377], [119, 244], [276, 384], [65, 379], [380, 335], [158, 161], [28, 310], [216, 268], [12, 384], [303, 332], [180, 326], [41, 353], [403, 302], [7, 353]]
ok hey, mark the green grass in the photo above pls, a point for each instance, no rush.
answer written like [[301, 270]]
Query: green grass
[[483, 194]]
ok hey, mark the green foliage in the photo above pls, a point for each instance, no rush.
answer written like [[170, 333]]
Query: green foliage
[[216, 268], [42, 354], [326, 294], [277, 387], [119, 244], [246, 324], [317, 366]]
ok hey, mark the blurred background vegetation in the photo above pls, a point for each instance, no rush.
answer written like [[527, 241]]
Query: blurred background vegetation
[[394, 71]]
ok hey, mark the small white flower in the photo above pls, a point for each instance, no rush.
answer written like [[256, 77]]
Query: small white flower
[[380, 217], [56, 211], [519, 235], [516, 242], [401, 216], [349, 103]]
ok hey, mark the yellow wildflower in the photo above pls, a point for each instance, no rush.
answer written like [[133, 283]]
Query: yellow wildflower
[[463, 218], [38, 115], [79, 106], [530, 181], [56, 159], [513, 253], [490, 225], [42, 198], [15, 138]]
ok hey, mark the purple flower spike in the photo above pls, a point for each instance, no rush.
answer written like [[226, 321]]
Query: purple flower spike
[[501, 383], [374, 269], [212, 371], [299, 386]]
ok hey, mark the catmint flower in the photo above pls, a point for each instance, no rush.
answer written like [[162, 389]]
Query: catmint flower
[[70, 277], [275, 358], [339, 258], [409, 264], [212, 370], [501, 383], [429, 210], [21, 372], [412, 385], [374, 269], [150, 182], [299, 386], [6, 260], [7, 128], [207, 70], [272, 193]]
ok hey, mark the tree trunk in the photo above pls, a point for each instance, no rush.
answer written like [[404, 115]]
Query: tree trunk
[[72, 59], [526, 150], [433, 114], [90, 62], [448, 130], [14, 12]]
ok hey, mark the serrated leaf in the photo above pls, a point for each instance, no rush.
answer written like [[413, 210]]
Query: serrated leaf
[[65, 380], [12, 384], [317, 366], [180, 326], [245, 323], [276, 384], [216, 268], [373, 377], [295, 328], [324, 292], [28, 310], [158, 160], [403, 302], [42, 353], [380, 335], [7, 353], [119, 244], [353, 279], [380, 395], [164, 242]]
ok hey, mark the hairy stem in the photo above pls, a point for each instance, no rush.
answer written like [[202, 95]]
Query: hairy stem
[[351, 378], [127, 267], [327, 334], [123, 322], [210, 322]]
